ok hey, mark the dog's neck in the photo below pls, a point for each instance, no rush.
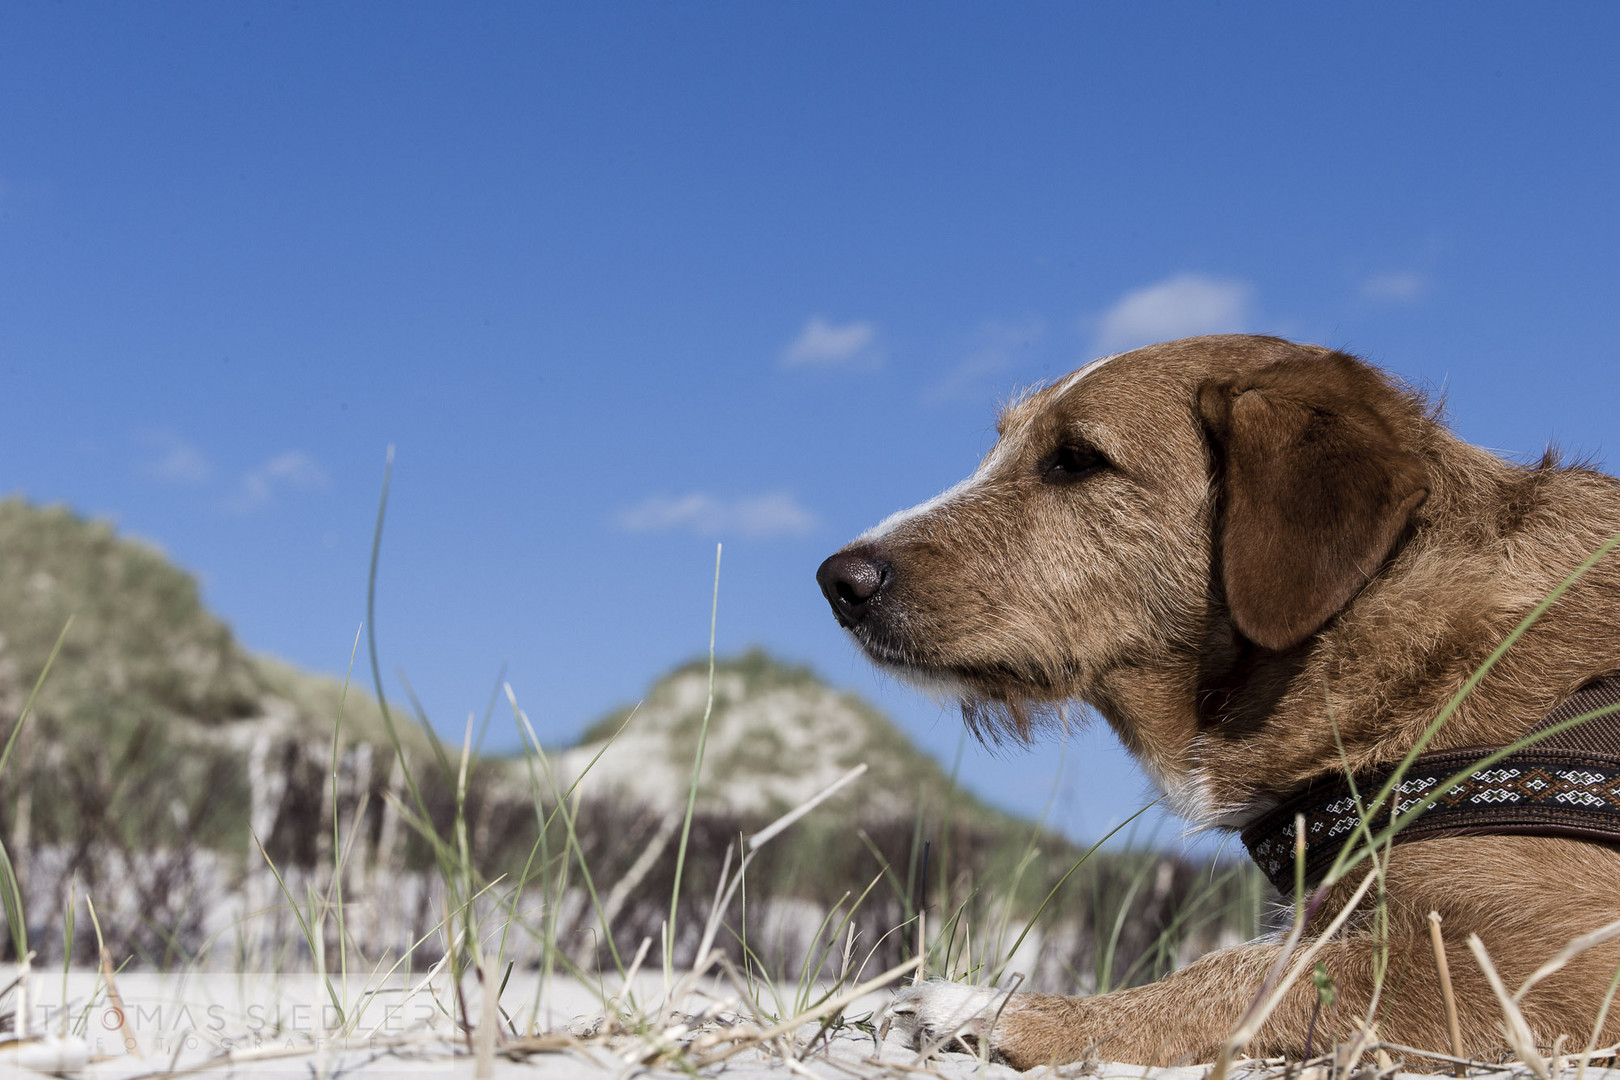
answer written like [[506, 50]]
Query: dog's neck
[[1238, 687]]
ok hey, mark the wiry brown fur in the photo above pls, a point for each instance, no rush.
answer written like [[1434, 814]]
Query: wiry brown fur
[[1278, 540]]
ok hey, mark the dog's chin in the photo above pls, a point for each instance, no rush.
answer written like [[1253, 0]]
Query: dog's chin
[[1017, 720], [937, 681], [997, 705]]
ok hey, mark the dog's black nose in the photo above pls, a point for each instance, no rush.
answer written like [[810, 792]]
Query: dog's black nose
[[850, 580]]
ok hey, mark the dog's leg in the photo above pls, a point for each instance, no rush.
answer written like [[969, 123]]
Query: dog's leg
[[1188, 1015], [1184, 1016]]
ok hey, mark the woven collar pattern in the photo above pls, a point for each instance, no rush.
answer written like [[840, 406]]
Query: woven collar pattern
[[1568, 785]]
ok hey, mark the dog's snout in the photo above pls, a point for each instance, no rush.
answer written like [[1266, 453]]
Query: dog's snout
[[850, 581]]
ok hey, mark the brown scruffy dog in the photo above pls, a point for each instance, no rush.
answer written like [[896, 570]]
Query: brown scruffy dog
[[1230, 546]]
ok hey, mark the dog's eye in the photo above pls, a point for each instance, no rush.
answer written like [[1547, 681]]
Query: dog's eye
[[1071, 462]]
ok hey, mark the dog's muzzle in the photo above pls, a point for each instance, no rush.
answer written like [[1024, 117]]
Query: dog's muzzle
[[853, 581]]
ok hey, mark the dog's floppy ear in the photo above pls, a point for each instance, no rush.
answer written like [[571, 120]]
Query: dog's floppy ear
[[1316, 488]]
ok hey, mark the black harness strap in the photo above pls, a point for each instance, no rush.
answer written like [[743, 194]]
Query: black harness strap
[[1568, 784]]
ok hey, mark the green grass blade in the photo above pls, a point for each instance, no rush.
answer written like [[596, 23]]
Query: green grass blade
[[11, 899], [371, 641], [697, 769], [1033, 919], [28, 706]]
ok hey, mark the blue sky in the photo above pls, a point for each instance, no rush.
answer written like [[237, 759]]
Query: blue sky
[[619, 281]]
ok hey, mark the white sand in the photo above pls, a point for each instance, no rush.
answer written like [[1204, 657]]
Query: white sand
[[214, 1025]]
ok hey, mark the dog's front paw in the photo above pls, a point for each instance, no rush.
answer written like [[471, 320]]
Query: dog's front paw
[[945, 1015]]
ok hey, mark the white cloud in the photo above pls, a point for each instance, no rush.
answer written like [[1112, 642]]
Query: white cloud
[[1179, 306], [753, 517], [293, 470], [1399, 286], [173, 460], [296, 469], [992, 350], [826, 344]]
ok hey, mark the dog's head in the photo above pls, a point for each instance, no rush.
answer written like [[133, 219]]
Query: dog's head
[[1148, 508]]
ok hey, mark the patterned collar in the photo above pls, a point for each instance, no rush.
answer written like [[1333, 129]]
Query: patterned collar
[[1568, 784]]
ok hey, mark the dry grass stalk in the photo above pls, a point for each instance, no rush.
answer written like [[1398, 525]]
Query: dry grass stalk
[[1559, 1059], [922, 946], [521, 1049], [489, 1026], [625, 886], [984, 1044], [724, 889], [1597, 1030], [423, 984], [1514, 1027], [769, 832], [1594, 1053], [616, 1001], [729, 882], [1564, 956], [225, 1062], [1346, 1056], [1568, 953], [740, 984], [1446, 995], [639, 869], [25, 972], [130, 1043], [797, 1069], [741, 1037], [1460, 1064], [228, 1059]]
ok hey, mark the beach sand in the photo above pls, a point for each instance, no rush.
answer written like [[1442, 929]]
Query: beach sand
[[255, 1025]]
